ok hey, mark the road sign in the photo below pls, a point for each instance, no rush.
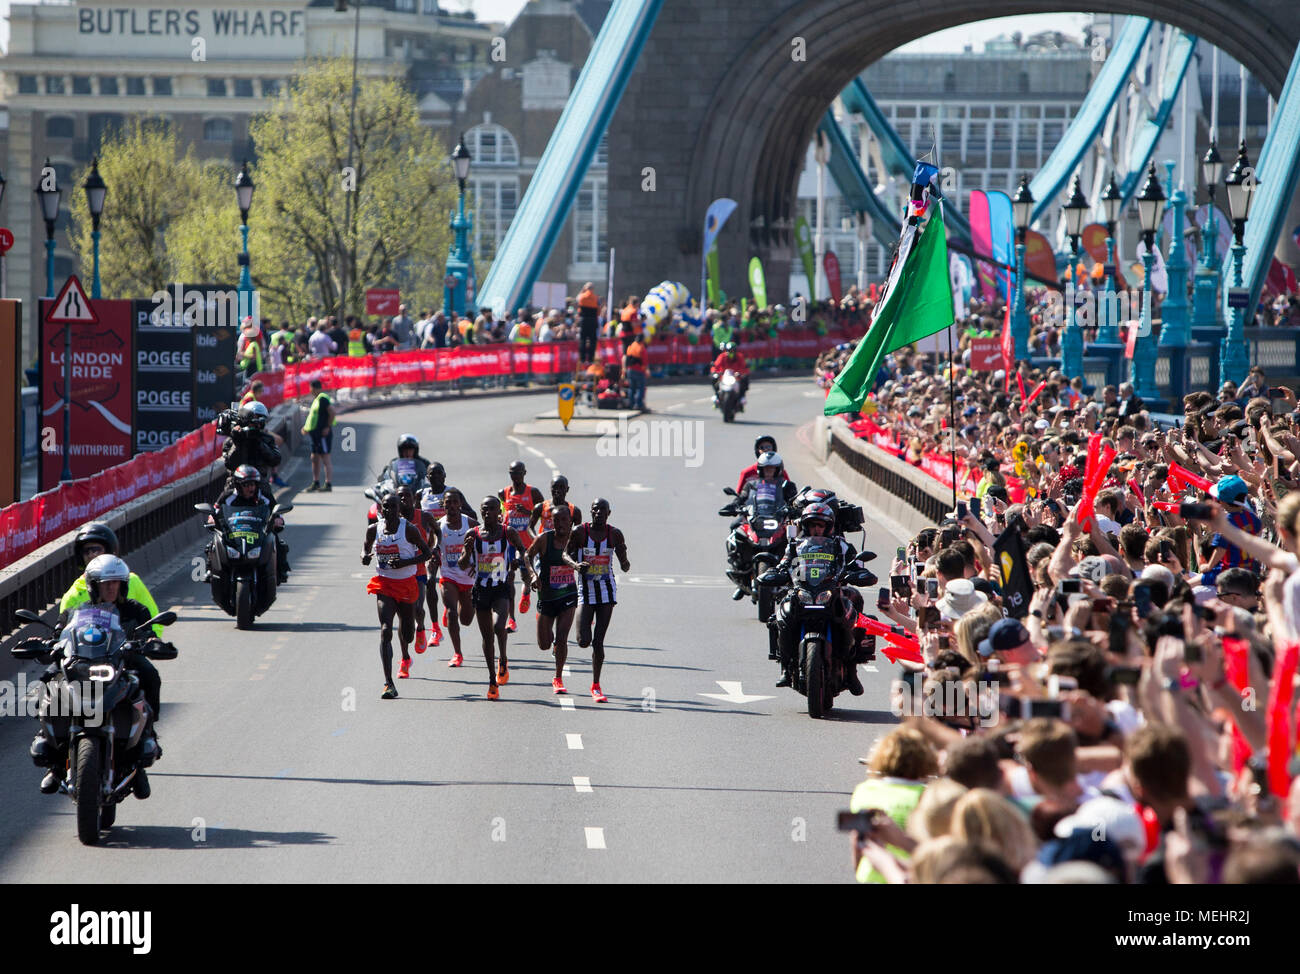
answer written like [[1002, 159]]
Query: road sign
[[72, 307], [1239, 297], [566, 393], [382, 301], [6, 239]]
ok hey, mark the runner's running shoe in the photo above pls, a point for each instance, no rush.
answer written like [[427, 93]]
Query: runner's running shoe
[[597, 695], [493, 692], [390, 692], [404, 671], [525, 600], [421, 641], [456, 660], [437, 634], [510, 625], [558, 685], [503, 674]]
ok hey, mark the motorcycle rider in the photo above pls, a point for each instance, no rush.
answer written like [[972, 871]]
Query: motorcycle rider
[[730, 358], [91, 541], [764, 444], [768, 494], [247, 493], [815, 525], [408, 467], [248, 444], [107, 581]]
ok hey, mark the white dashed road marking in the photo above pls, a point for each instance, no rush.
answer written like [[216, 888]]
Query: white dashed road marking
[[582, 785], [515, 440], [566, 703], [551, 463], [534, 451], [595, 838], [575, 741]]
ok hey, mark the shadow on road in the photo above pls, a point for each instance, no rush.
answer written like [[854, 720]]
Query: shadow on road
[[160, 837]]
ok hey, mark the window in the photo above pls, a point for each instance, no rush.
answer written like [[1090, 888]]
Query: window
[[162, 86], [243, 87], [27, 84], [405, 5], [101, 126], [135, 86], [218, 130], [81, 85], [602, 152], [492, 145], [59, 127], [107, 84], [216, 87], [270, 87], [495, 201], [54, 84], [429, 6], [907, 111], [589, 224]]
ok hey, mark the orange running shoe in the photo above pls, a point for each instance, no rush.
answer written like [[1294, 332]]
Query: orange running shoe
[[558, 685], [456, 660], [493, 692], [404, 671], [421, 642], [525, 600], [597, 695], [510, 625], [437, 634], [503, 674]]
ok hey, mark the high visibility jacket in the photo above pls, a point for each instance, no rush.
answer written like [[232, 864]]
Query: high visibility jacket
[[356, 343], [255, 347], [523, 333], [79, 593]]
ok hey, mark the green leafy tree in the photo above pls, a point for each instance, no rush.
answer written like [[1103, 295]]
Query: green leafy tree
[[150, 185], [204, 241], [311, 246]]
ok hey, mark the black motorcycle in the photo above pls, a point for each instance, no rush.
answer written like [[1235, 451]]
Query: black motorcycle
[[242, 558], [817, 578], [756, 542], [95, 709]]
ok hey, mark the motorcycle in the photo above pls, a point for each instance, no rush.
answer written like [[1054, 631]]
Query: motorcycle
[[756, 542], [818, 575], [728, 398], [406, 473], [242, 558], [94, 707]]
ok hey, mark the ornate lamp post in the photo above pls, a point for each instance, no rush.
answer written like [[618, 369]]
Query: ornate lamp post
[[1234, 357], [1173, 312], [454, 285], [1151, 207], [49, 197], [96, 193], [1075, 210], [1205, 303], [1112, 201], [244, 193], [1022, 213]]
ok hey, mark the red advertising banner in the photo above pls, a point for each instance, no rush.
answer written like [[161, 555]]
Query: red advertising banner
[[985, 354], [831, 264], [382, 301], [102, 379]]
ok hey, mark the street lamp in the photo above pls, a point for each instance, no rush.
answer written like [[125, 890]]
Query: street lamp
[[1205, 311], [1151, 207], [455, 284], [864, 239], [244, 195], [822, 153], [1022, 214], [1234, 358], [1075, 210], [49, 196], [1112, 201], [96, 193]]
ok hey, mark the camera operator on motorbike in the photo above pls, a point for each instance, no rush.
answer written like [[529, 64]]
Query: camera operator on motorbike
[[764, 444], [730, 358], [247, 493], [816, 525], [107, 583], [248, 445]]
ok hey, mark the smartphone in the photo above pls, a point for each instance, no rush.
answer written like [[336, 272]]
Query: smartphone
[[1277, 393], [1119, 625], [1191, 653], [1070, 586], [961, 510], [901, 585], [882, 598], [930, 617], [1194, 512], [898, 630], [1101, 605], [1142, 601], [854, 822], [975, 506], [900, 553], [1056, 683], [945, 641], [932, 588], [1046, 708], [1124, 676]]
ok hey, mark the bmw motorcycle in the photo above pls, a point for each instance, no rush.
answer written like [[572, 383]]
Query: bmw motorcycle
[[757, 541], [242, 558], [819, 581], [94, 710], [406, 473], [729, 396]]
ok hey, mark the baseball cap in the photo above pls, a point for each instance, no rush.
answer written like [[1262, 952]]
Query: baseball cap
[[969, 411], [1003, 635], [1042, 424], [1230, 489]]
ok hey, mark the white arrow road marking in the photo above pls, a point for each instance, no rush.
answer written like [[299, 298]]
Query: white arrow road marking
[[575, 741], [636, 488], [732, 693], [595, 838], [582, 785]]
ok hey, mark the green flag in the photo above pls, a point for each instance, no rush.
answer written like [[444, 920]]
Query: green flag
[[757, 283], [803, 241], [917, 303]]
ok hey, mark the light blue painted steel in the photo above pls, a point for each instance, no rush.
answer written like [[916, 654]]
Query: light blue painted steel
[[1278, 170], [1144, 144], [1087, 122], [853, 184], [563, 166]]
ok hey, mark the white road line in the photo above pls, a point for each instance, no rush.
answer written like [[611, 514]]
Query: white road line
[[566, 670], [705, 399], [575, 741], [515, 440], [551, 463], [595, 837], [534, 451], [871, 668], [566, 703], [263, 666], [676, 405], [582, 786]]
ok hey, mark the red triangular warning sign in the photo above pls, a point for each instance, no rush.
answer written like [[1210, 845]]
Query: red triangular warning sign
[[72, 307]]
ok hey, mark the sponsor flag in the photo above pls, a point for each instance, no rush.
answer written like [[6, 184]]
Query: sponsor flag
[[803, 241], [1011, 556], [831, 264], [714, 217], [757, 283]]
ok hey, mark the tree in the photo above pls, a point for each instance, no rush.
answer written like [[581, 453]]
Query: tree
[[204, 241], [150, 185], [309, 248]]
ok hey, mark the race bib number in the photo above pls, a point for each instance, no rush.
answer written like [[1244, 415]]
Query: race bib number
[[598, 565], [454, 551], [561, 576], [492, 564], [519, 521]]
